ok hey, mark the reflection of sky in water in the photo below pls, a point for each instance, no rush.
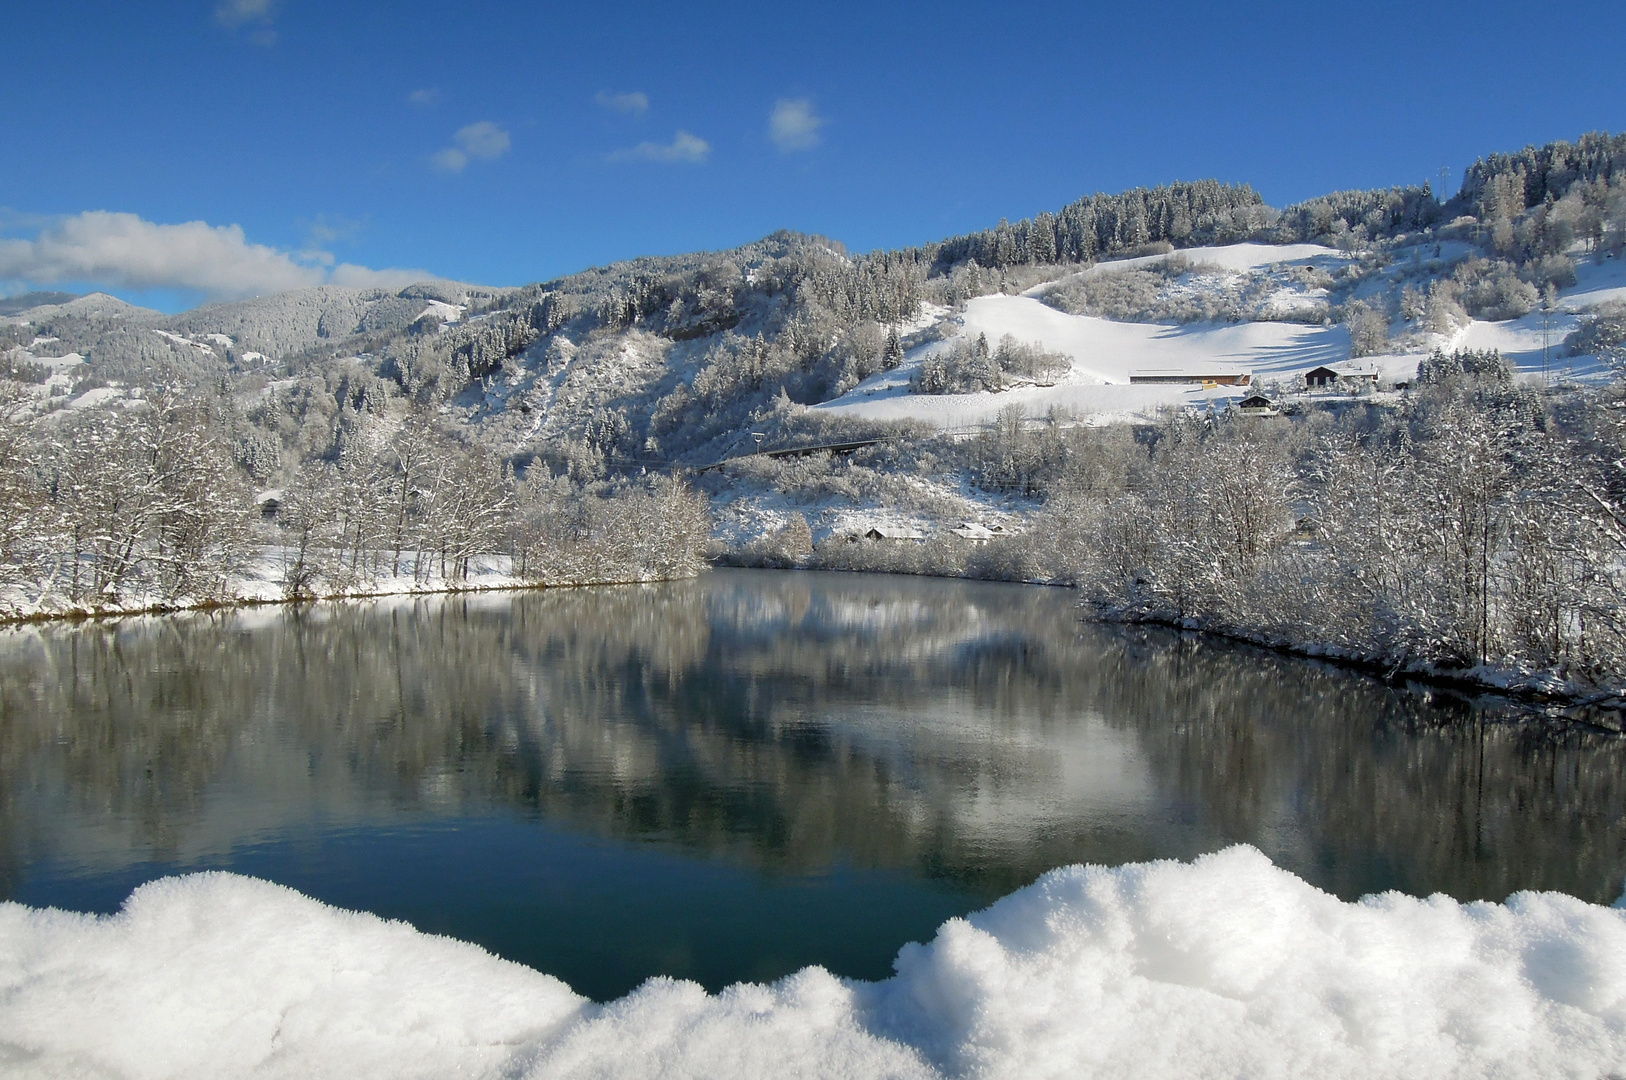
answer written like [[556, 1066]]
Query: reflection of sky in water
[[795, 728]]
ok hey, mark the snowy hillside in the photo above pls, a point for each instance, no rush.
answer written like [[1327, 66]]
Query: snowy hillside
[[1106, 353], [1092, 314]]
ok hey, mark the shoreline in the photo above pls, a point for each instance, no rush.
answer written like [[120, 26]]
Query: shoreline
[[1594, 706], [81, 615]]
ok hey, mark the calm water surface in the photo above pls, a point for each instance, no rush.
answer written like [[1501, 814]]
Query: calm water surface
[[735, 777]]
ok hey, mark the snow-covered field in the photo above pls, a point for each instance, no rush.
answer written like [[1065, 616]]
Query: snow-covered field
[[1224, 967], [1106, 352]]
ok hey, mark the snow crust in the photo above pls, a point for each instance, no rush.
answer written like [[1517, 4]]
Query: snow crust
[[1224, 967]]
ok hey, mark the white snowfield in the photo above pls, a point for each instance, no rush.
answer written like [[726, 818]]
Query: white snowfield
[[446, 313], [1105, 353], [1596, 284], [1224, 967]]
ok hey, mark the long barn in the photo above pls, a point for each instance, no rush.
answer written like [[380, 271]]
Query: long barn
[[1220, 377]]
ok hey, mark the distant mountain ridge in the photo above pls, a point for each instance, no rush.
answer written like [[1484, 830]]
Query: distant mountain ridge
[[127, 342], [15, 305]]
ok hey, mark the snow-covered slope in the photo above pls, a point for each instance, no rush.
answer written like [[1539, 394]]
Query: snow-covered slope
[[1105, 353], [274, 325], [1595, 284]]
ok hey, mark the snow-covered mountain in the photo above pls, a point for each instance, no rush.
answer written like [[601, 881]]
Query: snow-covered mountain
[[694, 359], [123, 342]]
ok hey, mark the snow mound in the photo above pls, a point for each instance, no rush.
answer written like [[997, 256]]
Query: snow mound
[[218, 975], [1224, 967]]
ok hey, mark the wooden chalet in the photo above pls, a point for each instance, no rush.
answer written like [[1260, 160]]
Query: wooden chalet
[[1332, 376]]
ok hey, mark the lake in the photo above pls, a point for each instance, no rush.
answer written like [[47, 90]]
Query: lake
[[738, 776]]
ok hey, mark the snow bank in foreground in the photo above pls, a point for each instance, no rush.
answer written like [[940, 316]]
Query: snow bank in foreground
[[1225, 967]]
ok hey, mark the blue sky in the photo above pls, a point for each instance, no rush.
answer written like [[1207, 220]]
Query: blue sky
[[504, 143]]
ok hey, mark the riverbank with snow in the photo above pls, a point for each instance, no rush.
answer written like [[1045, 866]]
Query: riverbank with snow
[[1569, 698], [265, 580]]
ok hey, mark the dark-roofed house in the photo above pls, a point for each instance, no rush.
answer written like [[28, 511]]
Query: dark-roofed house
[[1346, 373]]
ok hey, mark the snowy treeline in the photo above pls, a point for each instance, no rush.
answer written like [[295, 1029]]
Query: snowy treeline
[[113, 504], [1153, 293], [148, 505], [1099, 226], [1546, 172], [969, 366], [1473, 522], [1207, 213], [1475, 525]]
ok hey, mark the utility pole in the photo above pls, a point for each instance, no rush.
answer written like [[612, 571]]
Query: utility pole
[[1546, 312]]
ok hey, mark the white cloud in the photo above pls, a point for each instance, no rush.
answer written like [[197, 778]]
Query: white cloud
[[483, 140], [238, 12], [327, 228], [259, 13], [793, 125], [124, 250], [426, 96], [365, 277], [684, 147], [633, 104], [449, 160]]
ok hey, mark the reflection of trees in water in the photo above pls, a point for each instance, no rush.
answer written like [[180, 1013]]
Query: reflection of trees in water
[[1361, 786], [789, 720]]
